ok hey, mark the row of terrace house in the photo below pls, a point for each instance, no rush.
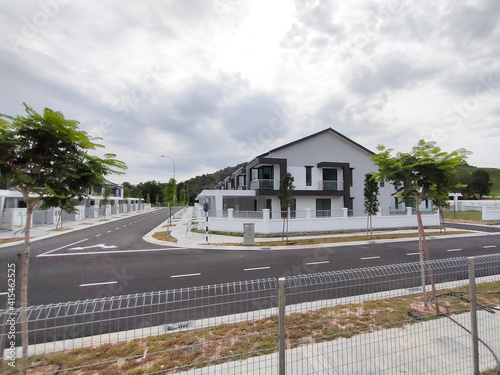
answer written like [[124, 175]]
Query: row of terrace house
[[328, 170], [96, 204]]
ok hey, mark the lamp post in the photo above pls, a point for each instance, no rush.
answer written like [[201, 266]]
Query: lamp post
[[168, 157], [169, 208]]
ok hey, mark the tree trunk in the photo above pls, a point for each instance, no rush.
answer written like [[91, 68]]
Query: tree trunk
[[24, 286], [424, 255]]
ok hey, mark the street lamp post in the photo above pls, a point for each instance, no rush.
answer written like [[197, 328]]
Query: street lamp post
[[169, 208], [168, 157]]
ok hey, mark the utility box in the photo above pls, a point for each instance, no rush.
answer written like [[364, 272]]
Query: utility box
[[248, 234]]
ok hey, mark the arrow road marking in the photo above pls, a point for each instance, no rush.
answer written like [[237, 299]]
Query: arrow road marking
[[101, 245]]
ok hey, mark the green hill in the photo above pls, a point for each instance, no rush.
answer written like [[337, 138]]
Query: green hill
[[464, 172]]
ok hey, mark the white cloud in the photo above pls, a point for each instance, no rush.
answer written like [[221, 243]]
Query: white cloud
[[213, 84]]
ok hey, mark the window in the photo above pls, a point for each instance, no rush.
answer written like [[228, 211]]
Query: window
[[308, 176], [329, 179], [323, 207]]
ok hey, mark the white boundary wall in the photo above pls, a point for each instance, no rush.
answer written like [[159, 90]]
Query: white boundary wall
[[490, 211], [266, 225]]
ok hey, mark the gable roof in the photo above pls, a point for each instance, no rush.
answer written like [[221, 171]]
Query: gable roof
[[327, 130]]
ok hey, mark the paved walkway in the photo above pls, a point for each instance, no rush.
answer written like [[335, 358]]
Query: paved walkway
[[435, 347], [189, 239]]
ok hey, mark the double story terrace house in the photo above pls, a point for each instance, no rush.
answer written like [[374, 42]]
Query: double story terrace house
[[328, 170]]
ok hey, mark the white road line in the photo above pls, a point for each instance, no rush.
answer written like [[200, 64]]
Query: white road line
[[311, 263], [62, 247], [4, 293], [454, 250], [413, 254], [256, 268], [123, 226], [186, 275], [117, 228], [489, 246], [98, 235], [109, 252], [108, 231], [370, 258], [103, 283]]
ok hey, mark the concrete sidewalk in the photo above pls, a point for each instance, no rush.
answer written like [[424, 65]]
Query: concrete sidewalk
[[40, 231], [189, 239], [433, 347]]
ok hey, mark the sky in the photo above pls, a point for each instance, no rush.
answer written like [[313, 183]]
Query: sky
[[214, 83]]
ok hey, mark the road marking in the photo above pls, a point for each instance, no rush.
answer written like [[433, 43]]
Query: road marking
[[103, 283], [108, 231], [370, 258], [98, 235], [256, 268], [186, 275], [117, 228], [311, 263], [101, 245], [124, 225], [489, 246], [110, 252], [62, 247], [413, 254], [454, 250]]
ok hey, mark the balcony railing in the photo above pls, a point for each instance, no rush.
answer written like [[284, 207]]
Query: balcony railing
[[331, 185], [262, 184]]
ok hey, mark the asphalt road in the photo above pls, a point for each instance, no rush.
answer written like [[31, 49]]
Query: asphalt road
[[112, 259]]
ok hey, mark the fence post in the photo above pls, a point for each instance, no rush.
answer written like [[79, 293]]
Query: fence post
[[473, 314], [281, 326]]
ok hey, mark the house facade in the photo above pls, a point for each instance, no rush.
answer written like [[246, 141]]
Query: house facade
[[328, 170]]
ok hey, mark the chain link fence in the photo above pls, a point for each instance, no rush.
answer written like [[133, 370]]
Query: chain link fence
[[434, 317]]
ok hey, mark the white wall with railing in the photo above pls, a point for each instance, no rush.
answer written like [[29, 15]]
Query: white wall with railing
[[267, 221]]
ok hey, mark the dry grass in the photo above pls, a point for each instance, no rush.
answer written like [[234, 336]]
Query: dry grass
[[229, 342], [165, 236], [9, 240], [327, 240]]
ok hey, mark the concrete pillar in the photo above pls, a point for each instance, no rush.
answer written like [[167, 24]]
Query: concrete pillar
[[409, 211], [308, 214], [266, 216]]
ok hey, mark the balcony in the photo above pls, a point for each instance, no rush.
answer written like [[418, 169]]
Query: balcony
[[263, 184], [331, 185]]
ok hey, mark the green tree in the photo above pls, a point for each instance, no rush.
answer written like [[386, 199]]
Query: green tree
[[424, 172], [170, 192], [371, 201], [182, 197], [286, 197], [105, 201], [45, 156], [148, 198], [479, 183]]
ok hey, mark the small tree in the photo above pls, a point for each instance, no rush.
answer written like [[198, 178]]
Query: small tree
[[286, 197], [46, 158], [424, 172], [169, 192], [182, 197], [148, 198], [480, 183], [371, 201], [105, 201]]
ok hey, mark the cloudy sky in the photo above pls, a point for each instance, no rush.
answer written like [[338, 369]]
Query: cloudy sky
[[214, 83]]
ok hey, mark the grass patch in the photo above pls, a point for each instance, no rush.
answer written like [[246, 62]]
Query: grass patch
[[327, 240], [462, 215], [60, 229], [9, 240], [183, 350], [165, 236]]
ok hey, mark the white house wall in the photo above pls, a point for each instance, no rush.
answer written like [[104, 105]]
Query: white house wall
[[329, 147]]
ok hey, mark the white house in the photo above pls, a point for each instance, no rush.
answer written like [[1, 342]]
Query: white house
[[328, 169]]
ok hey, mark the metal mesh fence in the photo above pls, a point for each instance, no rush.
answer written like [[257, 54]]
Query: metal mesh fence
[[378, 320]]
